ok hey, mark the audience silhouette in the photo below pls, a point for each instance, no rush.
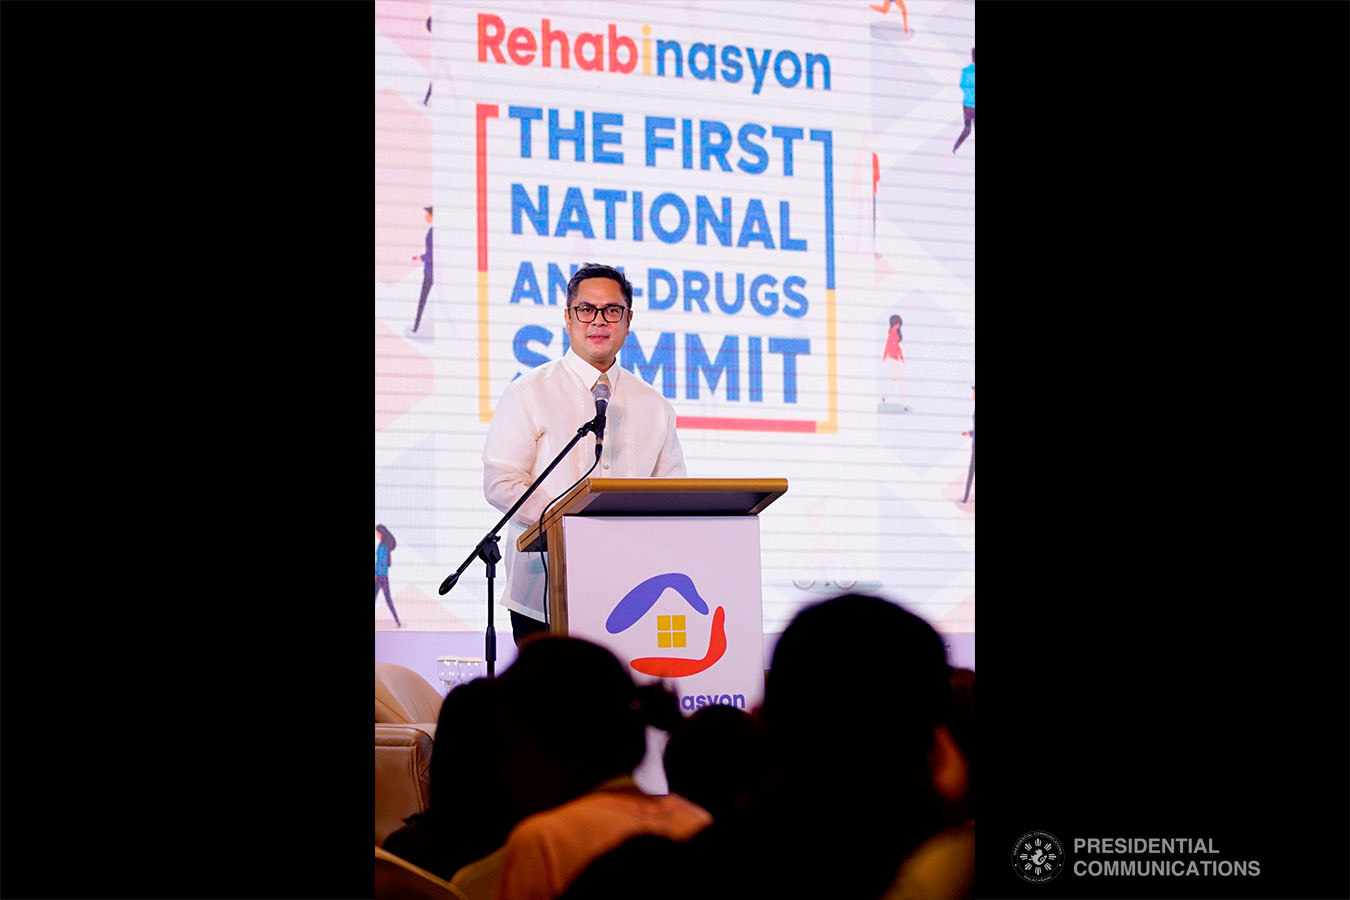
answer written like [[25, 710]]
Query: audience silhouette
[[852, 780], [961, 724], [856, 771], [942, 868], [709, 758], [465, 817], [574, 728]]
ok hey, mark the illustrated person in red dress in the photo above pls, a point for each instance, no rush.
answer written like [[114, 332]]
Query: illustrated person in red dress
[[895, 358]]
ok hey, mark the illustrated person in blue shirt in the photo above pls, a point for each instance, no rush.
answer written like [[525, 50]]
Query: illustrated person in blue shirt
[[384, 547], [425, 257], [967, 98]]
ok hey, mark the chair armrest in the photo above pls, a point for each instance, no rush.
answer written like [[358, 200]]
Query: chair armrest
[[402, 779], [398, 878], [392, 734]]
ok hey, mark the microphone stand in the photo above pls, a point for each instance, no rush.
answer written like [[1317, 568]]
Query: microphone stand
[[490, 554]]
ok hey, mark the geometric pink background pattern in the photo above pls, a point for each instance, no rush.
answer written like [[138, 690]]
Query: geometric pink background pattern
[[403, 375], [405, 23], [402, 186]]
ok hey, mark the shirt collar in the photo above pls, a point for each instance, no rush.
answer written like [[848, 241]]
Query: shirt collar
[[588, 373]]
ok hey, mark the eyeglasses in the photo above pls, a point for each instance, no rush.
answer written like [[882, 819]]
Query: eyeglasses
[[614, 312]]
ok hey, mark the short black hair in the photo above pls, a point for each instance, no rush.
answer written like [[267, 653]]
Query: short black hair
[[574, 702], [595, 270], [897, 691]]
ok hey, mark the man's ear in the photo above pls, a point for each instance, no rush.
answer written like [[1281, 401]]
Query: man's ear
[[951, 772]]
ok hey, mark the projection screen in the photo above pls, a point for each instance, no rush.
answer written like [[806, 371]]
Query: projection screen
[[781, 184]]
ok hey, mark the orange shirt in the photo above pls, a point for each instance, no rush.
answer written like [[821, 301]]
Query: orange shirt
[[545, 852]]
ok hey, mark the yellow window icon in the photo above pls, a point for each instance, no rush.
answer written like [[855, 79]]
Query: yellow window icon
[[670, 631]]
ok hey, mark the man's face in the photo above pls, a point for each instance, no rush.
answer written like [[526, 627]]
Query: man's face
[[598, 342]]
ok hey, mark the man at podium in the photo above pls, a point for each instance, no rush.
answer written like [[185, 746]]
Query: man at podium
[[540, 412]]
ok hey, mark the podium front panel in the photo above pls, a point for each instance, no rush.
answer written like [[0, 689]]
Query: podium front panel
[[677, 599]]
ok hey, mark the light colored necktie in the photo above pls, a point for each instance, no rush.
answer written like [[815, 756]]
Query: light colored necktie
[[601, 393]]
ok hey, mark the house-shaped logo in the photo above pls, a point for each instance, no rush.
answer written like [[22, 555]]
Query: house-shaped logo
[[670, 630]]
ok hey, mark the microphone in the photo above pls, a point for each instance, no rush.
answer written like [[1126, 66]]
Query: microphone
[[601, 392]]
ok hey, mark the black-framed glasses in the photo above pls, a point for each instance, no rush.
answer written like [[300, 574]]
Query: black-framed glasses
[[614, 312]]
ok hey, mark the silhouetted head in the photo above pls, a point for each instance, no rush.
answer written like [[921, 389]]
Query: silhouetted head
[[961, 710], [709, 759], [855, 758], [961, 725], [856, 674], [571, 717], [386, 537], [466, 763], [896, 320]]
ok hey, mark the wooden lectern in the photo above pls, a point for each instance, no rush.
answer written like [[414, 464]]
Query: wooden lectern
[[665, 573], [664, 498]]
